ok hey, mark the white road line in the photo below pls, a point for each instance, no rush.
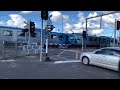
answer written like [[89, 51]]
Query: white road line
[[10, 60], [68, 61]]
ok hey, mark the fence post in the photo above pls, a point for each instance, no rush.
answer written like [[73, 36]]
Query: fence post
[[3, 53], [77, 53], [16, 50]]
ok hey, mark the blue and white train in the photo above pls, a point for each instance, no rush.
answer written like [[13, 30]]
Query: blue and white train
[[11, 34]]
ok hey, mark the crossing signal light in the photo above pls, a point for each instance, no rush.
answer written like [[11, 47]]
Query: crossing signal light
[[32, 29], [84, 34], [118, 25], [49, 27], [52, 27], [44, 15]]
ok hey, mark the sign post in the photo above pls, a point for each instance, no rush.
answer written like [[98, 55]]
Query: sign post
[[41, 41]]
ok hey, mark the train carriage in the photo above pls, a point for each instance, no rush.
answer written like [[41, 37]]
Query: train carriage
[[12, 35]]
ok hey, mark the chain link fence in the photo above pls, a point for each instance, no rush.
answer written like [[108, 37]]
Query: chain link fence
[[13, 50]]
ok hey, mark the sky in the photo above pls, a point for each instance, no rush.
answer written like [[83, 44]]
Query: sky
[[64, 21]]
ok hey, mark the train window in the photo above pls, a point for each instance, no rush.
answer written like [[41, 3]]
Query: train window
[[90, 39], [45, 36], [53, 36], [104, 40], [95, 39], [7, 33], [71, 38], [78, 38], [111, 41], [61, 37], [99, 40]]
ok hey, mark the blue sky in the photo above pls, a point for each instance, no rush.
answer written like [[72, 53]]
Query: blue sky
[[74, 20]]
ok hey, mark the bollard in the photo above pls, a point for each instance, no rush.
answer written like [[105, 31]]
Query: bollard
[[77, 54], [3, 50]]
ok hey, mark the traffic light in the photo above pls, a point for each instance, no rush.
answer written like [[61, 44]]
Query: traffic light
[[44, 15], [118, 25], [52, 27], [32, 29], [49, 27], [84, 34]]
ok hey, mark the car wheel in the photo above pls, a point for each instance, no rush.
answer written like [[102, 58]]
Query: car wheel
[[85, 60]]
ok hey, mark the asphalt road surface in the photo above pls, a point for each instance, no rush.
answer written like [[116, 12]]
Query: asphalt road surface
[[49, 70], [30, 67]]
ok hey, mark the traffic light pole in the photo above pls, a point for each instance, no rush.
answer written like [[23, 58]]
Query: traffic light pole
[[29, 37], [47, 58], [41, 41], [114, 34], [82, 43]]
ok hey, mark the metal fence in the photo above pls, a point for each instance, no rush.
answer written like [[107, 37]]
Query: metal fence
[[13, 50]]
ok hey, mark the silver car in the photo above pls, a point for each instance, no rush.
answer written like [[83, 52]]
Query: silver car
[[108, 57]]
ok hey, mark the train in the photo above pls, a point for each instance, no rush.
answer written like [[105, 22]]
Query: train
[[13, 34]]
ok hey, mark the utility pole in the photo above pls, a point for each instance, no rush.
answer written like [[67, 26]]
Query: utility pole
[[82, 43], [62, 23], [29, 37], [44, 16], [119, 38], [114, 34], [49, 23], [41, 40]]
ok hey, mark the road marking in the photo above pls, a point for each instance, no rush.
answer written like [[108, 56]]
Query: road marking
[[67, 61], [13, 64], [10, 60]]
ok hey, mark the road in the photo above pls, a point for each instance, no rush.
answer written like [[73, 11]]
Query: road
[[30, 67], [37, 70]]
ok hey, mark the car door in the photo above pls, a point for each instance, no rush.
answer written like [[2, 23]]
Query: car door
[[112, 59], [98, 57]]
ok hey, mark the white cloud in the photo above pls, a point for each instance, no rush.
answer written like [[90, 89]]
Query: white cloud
[[57, 16], [76, 28], [26, 12], [93, 25], [78, 25], [97, 31], [81, 17], [97, 19], [68, 26], [109, 20], [92, 14], [16, 21], [65, 18], [1, 22]]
